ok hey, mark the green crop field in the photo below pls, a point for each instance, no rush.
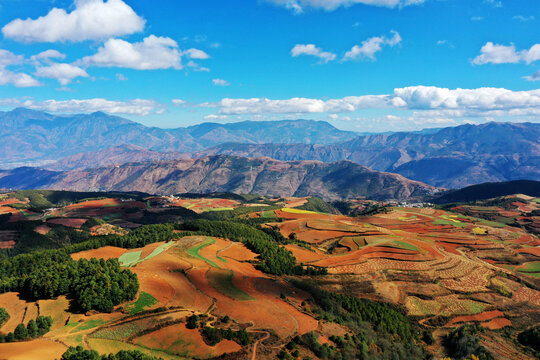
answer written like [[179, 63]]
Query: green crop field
[[130, 258], [194, 251], [222, 281], [145, 300], [404, 245]]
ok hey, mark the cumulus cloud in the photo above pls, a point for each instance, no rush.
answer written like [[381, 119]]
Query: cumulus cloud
[[17, 79], [196, 54], [47, 55], [21, 80], [152, 53], [447, 103], [371, 46], [312, 50], [298, 6], [492, 53], [220, 82], [90, 20], [64, 73], [129, 107]]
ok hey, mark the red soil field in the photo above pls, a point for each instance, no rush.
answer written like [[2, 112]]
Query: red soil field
[[191, 342], [42, 229], [484, 316], [293, 216], [106, 252], [11, 201], [533, 251], [94, 204], [317, 236], [305, 255], [69, 222], [295, 202], [496, 324], [237, 251], [158, 277], [35, 349]]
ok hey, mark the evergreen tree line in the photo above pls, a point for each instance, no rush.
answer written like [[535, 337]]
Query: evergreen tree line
[[32, 330], [464, 342], [94, 284], [275, 259], [529, 337], [213, 336], [349, 309], [79, 353], [4, 316]]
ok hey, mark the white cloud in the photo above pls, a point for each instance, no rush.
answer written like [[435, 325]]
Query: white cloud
[[21, 80], [196, 54], [178, 102], [371, 46], [220, 82], [7, 58], [90, 20], [534, 77], [215, 117], [312, 50], [448, 102], [129, 107], [121, 77], [298, 6], [523, 18], [506, 54], [152, 53], [47, 55], [64, 73], [196, 67], [477, 18]]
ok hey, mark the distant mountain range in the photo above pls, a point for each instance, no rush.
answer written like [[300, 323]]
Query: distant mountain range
[[31, 137], [451, 157], [221, 173]]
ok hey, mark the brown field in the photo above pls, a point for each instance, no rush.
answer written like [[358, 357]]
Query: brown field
[[69, 222], [202, 205], [106, 252], [238, 252], [15, 308], [8, 238], [30, 350], [305, 255], [177, 339], [42, 229]]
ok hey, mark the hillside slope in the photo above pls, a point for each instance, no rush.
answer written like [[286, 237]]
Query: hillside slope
[[264, 176]]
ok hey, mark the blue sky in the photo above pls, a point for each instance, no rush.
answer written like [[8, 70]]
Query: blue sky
[[364, 65]]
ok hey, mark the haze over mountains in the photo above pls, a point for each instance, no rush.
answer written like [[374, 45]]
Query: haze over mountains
[[450, 157], [34, 137]]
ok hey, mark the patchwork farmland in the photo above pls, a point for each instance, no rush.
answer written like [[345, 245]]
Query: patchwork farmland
[[441, 269]]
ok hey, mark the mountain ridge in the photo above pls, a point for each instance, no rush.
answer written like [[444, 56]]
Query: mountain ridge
[[221, 173]]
